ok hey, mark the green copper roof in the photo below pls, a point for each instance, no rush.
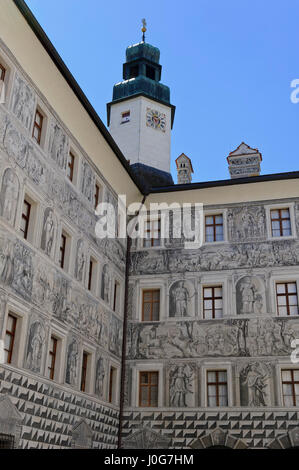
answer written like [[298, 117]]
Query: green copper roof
[[143, 50], [142, 74]]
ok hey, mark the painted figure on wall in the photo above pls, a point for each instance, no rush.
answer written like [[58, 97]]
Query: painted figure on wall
[[35, 346], [180, 385], [179, 298], [48, 232], [100, 376], [72, 360], [80, 261], [58, 146], [249, 293], [9, 196], [254, 378], [105, 288], [23, 102]]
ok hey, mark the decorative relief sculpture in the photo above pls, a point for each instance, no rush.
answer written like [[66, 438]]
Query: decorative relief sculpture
[[179, 300], [254, 337], [72, 362], [48, 233], [6, 260], [181, 385], [100, 377], [35, 346], [88, 181], [105, 285], [23, 102], [80, 261], [246, 223], [254, 384], [9, 196], [22, 271], [250, 295], [58, 146], [245, 255], [115, 336]]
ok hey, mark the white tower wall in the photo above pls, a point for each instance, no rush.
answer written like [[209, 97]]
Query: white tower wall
[[139, 142]]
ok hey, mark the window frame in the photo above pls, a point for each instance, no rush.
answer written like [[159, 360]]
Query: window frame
[[3, 71], [287, 205], [214, 225], [25, 217], [212, 213], [149, 386], [37, 126], [152, 231], [285, 368], [70, 168], [213, 298], [216, 384], [53, 355], [84, 371], [146, 291], [287, 294], [12, 335]]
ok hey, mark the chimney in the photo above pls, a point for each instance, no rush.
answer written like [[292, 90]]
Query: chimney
[[244, 161]]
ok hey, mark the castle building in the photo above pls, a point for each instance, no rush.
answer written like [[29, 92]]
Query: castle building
[[135, 342]]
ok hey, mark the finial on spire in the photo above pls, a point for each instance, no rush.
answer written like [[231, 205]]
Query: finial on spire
[[143, 29]]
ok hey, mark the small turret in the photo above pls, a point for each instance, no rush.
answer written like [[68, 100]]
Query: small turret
[[184, 169]]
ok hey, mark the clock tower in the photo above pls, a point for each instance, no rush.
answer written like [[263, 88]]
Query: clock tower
[[140, 116]]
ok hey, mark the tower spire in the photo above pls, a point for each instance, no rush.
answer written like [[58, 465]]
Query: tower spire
[[143, 29]]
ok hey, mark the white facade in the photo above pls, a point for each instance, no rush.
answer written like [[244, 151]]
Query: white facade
[[140, 142]]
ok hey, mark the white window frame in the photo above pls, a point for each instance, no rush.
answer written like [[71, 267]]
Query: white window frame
[[21, 313], [35, 215], [283, 278], [147, 367], [8, 79], [287, 205], [60, 354], [147, 285], [72, 149], [95, 274], [39, 106], [115, 396], [222, 212], [284, 364], [90, 376], [68, 261], [213, 282], [216, 366]]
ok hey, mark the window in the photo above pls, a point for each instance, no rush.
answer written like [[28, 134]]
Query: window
[[287, 298], [148, 388], [52, 357], [280, 223], [214, 228], [25, 218], [37, 126], [2, 72], [152, 233], [150, 72], [290, 387], [116, 298], [10, 337], [151, 305], [96, 195], [62, 250], [212, 302], [217, 388], [134, 71], [70, 166], [85, 360], [112, 384], [125, 117], [90, 272]]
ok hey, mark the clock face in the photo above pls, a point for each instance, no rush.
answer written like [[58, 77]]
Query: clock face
[[155, 119]]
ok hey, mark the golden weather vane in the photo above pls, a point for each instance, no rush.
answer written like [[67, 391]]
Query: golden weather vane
[[143, 29]]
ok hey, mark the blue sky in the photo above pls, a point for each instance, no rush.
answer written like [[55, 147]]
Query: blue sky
[[229, 65]]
